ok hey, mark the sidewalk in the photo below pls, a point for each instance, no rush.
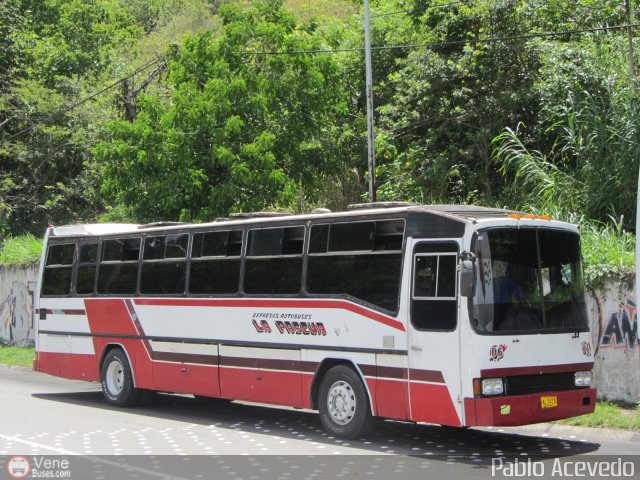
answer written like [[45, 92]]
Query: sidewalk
[[573, 432]]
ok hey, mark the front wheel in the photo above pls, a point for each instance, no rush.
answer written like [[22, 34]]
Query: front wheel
[[344, 404], [117, 380]]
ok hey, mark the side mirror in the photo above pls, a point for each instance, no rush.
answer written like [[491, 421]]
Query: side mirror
[[467, 278]]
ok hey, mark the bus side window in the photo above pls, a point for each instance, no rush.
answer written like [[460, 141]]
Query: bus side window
[[274, 261], [389, 235], [215, 262], [425, 280], [118, 269], [362, 260], [164, 265], [57, 270], [348, 237], [434, 295], [87, 267]]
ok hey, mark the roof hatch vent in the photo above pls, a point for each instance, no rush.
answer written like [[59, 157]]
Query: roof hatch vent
[[366, 206]]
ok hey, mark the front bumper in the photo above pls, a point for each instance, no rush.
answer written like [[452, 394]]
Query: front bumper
[[527, 409]]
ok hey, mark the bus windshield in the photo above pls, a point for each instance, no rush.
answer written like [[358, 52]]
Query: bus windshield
[[529, 281]]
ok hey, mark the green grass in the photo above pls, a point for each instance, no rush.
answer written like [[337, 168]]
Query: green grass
[[17, 356], [608, 251], [21, 250], [608, 415]]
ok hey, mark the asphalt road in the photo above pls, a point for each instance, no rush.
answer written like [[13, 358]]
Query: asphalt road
[[178, 437]]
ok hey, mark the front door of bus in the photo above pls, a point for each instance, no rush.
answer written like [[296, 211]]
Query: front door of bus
[[434, 347]]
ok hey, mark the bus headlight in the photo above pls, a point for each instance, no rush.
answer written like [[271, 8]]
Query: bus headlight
[[583, 379], [492, 386]]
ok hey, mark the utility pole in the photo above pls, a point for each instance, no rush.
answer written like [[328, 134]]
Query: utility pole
[[634, 87], [371, 152]]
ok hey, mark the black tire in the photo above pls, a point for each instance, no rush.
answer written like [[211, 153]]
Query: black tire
[[117, 380], [344, 404]]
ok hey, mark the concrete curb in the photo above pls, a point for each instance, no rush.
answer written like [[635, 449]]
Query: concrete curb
[[17, 367]]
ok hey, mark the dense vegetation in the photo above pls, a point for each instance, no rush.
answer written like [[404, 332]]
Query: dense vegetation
[[191, 109]]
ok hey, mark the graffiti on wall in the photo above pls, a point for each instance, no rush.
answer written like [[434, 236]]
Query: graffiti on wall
[[620, 330], [614, 326], [16, 315]]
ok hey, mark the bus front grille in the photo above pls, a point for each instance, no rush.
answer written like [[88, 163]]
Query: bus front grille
[[524, 384]]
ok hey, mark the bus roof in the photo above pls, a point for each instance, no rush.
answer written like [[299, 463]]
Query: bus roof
[[93, 229], [456, 213]]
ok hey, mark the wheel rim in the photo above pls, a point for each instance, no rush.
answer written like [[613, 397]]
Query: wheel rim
[[341, 402], [115, 377]]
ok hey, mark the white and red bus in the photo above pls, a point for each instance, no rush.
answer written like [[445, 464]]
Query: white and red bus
[[454, 315]]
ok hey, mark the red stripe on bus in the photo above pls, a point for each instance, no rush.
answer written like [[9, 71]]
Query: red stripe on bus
[[391, 372], [399, 373], [186, 378], [176, 357], [368, 370], [264, 386], [138, 326], [391, 399], [278, 303], [268, 364], [109, 317], [76, 366], [433, 404], [433, 376]]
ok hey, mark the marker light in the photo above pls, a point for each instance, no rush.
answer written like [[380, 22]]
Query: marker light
[[583, 379], [492, 386], [529, 216]]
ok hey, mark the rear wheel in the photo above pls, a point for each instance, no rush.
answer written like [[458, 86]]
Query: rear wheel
[[117, 380], [344, 404]]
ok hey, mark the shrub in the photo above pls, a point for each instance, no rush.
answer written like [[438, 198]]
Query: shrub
[[21, 250]]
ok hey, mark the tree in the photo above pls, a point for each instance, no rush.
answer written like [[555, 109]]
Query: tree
[[582, 155], [239, 131], [53, 52], [452, 97]]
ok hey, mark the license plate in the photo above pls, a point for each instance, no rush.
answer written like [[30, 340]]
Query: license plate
[[549, 401]]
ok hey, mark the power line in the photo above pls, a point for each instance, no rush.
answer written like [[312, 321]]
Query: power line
[[86, 99], [451, 42], [344, 50]]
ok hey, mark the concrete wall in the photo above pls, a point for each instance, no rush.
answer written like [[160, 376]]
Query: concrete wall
[[16, 303], [612, 311], [614, 325]]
